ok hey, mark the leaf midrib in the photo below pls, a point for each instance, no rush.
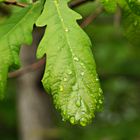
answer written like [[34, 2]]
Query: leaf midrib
[[65, 33]]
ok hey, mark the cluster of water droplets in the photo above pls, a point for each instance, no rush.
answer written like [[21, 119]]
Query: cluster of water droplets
[[83, 121]]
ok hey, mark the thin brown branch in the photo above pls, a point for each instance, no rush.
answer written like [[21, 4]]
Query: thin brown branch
[[13, 2], [41, 62], [27, 69], [91, 17]]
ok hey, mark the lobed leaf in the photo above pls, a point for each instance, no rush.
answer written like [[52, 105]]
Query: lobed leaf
[[70, 73], [17, 30]]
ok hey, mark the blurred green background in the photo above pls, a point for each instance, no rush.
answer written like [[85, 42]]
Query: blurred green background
[[118, 66]]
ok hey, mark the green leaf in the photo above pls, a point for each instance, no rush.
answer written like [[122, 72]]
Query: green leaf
[[70, 74], [17, 30], [134, 6], [131, 25]]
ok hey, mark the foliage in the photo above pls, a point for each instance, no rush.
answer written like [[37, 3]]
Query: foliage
[[70, 74], [110, 5], [17, 30]]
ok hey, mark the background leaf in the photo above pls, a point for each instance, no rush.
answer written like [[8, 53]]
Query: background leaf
[[131, 26], [17, 30], [109, 5], [134, 6]]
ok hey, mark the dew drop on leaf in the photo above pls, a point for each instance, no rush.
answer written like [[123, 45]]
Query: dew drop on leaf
[[66, 30], [69, 72], [78, 102], [65, 79], [100, 90], [100, 102], [81, 64], [61, 88], [97, 79], [63, 119], [82, 73], [83, 121], [76, 58], [72, 120]]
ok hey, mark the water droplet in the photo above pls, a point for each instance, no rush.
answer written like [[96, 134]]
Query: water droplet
[[69, 72], [61, 88], [76, 58], [78, 102], [100, 102], [66, 30], [65, 79], [72, 120], [82, 73], [64, 112], [63, 119], [97, 79], [81, 64], [83, 121], [100, 90], [56, 2]]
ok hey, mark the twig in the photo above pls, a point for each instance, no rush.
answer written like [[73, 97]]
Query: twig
[[13, 2], [41, 62], [28, 68], [91, 17]]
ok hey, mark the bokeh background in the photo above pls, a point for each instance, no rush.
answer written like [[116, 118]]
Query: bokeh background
[[118, 66]]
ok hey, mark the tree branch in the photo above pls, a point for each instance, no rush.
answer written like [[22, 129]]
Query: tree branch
[[27, 69], [14, 2]]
